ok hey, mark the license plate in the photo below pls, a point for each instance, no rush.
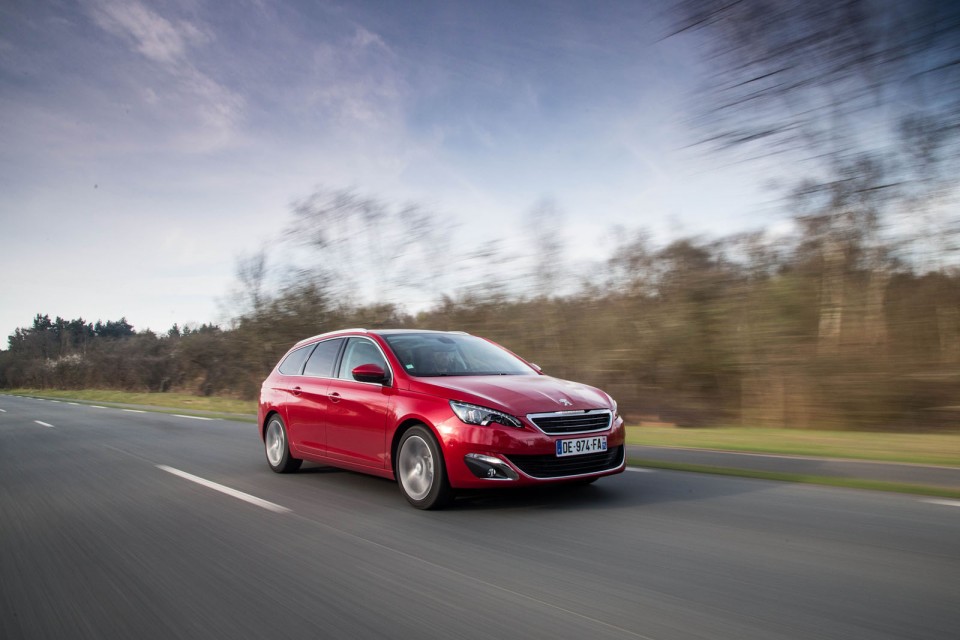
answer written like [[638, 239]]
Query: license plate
[[580, 446]]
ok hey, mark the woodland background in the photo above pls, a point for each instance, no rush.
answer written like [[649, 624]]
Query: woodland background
[[846, 317]]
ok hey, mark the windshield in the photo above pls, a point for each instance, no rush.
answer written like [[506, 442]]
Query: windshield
[[433, 354]]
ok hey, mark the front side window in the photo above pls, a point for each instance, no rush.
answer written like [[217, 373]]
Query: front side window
[[438, 354], [293, 363], [357, 352]]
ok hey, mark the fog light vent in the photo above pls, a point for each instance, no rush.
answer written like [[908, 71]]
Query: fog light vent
[[489, 468]]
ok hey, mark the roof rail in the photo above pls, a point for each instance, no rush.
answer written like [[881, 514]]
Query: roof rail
[[329, 333]]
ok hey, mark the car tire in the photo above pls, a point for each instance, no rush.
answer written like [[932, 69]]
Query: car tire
[[276, 445], [420, 470]]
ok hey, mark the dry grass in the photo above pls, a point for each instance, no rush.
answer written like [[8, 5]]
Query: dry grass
[[162, 400], [921, 448]]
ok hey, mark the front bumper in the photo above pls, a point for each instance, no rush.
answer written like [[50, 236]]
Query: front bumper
[[490, 456]]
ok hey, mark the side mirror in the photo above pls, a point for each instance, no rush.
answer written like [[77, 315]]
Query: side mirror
[[370, 373]]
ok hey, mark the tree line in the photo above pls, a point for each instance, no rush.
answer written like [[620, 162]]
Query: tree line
[[850, 319], [829, 328]]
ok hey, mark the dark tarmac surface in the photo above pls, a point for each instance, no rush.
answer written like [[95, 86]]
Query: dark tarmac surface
[[101, 538]]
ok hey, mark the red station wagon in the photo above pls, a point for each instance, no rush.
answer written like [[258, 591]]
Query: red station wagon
[[437, 411]]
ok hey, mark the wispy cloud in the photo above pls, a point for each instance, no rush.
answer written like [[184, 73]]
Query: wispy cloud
[[359, 79], [149, 33], [170, 44]]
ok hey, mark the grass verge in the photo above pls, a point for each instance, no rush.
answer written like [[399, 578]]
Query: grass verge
[[212, 406], [919, 448], [847, 483]]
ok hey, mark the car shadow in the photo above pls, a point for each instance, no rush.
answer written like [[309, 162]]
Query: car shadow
[[311, 467], [629, 489]]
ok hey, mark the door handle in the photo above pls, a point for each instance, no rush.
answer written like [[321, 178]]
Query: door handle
[[334, 397], [296, 391]]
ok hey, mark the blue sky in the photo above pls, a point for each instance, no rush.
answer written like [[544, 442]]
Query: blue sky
[[145, 145]]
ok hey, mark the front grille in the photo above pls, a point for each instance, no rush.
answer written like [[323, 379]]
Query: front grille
[[551, 466], [564, 423]]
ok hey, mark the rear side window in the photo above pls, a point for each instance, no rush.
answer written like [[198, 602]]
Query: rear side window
[[293, 363], [323, 358]]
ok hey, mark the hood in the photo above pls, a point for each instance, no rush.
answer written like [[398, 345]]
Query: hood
[[516, 395]]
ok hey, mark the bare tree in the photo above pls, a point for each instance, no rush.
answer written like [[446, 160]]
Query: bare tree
[[368, 249], [251, 273], [867, 94], [825, 75], [544, 224]]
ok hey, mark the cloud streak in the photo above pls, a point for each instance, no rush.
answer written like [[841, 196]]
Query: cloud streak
[[359, 80], [149, 33], [169, 44]]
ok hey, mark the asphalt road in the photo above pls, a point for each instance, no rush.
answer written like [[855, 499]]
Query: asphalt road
[[102, 536]]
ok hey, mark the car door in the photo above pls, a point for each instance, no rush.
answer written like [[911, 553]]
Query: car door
[[290, 384], [307, 410], [357, 411]]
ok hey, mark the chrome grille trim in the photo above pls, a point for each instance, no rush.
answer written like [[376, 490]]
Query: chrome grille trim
[[568, 423]]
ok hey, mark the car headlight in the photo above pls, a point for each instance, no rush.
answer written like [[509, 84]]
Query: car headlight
[[472, 414]]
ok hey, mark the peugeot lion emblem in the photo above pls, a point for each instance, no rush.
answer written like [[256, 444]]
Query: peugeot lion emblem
[[565, 402]]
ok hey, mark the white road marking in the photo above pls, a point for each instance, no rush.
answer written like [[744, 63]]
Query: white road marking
[[76, 404], [947, 503], [134, 411], [44, 424], [246, 497], [193, 417], [57, 401], [3, 410], [96, 406], [640, 470]]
